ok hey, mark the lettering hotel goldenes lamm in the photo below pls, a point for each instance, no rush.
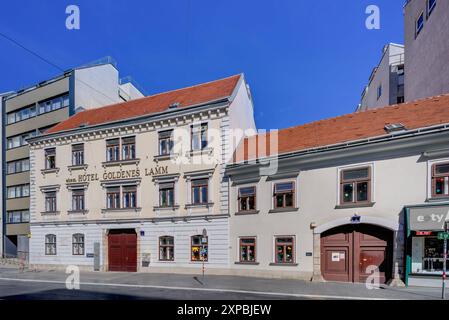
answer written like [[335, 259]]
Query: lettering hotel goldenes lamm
[[118, 174]]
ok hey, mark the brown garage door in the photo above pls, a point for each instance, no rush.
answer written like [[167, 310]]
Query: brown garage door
[[347, 252], [122, 251]]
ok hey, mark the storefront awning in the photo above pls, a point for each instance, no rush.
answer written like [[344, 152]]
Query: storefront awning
[[428, 218]]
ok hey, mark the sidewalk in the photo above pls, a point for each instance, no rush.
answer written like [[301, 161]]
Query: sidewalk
[[270, 288]]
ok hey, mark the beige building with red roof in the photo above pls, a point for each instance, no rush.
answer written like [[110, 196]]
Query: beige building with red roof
[[358, 198], [139, 186]]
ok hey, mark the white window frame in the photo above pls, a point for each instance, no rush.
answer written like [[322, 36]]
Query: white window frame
[[430, 164]]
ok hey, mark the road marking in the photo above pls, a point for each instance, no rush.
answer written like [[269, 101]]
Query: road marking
[[285, 294]]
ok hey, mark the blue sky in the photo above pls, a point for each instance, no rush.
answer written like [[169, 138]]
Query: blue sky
[[304, 60]]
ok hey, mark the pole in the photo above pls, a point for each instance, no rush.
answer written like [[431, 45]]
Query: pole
[[202, 257], [443, 292]]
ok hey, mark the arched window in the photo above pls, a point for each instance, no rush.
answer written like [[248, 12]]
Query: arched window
[[50, 245], [166, 248], [78, 244], [199, 248]]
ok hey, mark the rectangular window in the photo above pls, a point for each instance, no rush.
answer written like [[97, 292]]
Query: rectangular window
[[166, 248], [18, 166], [78, 200], [50, 245], [355, 185], [165, 142], [50, 158], [20, 115], [419, 23], [284, 248], [53, 104], [284, 194], [17, 216], [440, 180], [19, 191], [430, 6], [50, 201], [167, 194], [113, 150], [78, 244], [247, 199], [199, 136], [200, 191], [78, 154], [128, 148], [113, 197], [129, 197], [379, 91], [247, 249], [199, 248]]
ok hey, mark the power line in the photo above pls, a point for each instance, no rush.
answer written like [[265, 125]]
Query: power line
[[52, 64]]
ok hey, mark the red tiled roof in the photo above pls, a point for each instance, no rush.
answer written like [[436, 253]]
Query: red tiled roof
[[194, 95], [350, 127]]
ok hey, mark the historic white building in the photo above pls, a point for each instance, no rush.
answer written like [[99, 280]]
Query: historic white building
[[139, 186]]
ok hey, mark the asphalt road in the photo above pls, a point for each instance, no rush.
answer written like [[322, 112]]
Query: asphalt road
[[50, 285]]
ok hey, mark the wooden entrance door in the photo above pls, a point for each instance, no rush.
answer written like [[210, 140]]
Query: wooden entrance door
[[349, 252], [122, 252]]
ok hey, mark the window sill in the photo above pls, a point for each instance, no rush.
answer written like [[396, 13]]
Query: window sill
[[163, 157], [248, 263], [172, 208], [78, 167], [355, 205], [50, 213], [279, 264], [199, 205], [278, 210], [438, 199], [207, 151], [120, 163], [121, 210], [247, 212], [53, 170], [77, 211]]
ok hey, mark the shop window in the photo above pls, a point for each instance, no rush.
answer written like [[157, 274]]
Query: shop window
[[78, 200], [200, 191], [165, 142], [440, 180], [247, 249], [50, 245], [428, 254], [166, 248], [78, 154], [284, 249], [113, 150], [50, 158], [128, 148], [199, 136], [50, 201], [247, 199], [78, 244], [355, 186], [167, 194], [284, 194], [199, 248]]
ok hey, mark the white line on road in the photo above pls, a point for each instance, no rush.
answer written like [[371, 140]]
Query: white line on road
[[296, 295]]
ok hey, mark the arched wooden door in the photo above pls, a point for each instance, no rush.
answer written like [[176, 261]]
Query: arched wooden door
[[350, 253]]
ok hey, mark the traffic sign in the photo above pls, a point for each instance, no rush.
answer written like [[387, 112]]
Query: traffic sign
[[443, 235]]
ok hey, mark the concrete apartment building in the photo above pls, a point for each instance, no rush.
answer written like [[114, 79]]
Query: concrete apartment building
[[386, 82], [139, 186], [344, 197], [426, 24], [32, 111]]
